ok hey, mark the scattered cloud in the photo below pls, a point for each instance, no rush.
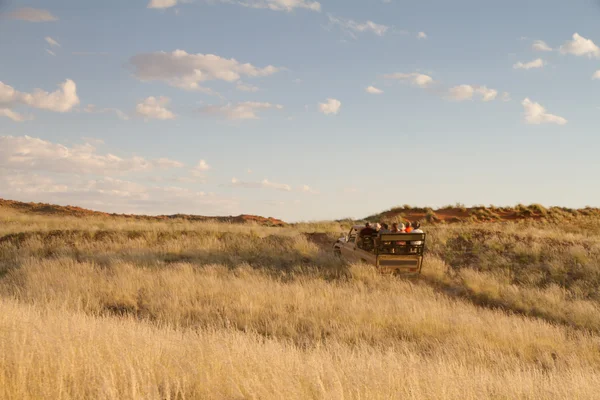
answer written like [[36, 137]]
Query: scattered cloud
[[155, 108], [26, 153], [580, 46], [32, 15], [467, 92], [92, 109], [113, 195], [540, 45], [535, 114], [51, 52], [373, 90], [202, 166], [243, 110], [264, 184], [15, 116], [538, 63], [244, 87], [62, 100], [52, 42], [281, 5], [332, 106], [166, 163], [308, 189], [487, 94], [461, 92], [415, 78], [596, 75], [421, 35], [505, 96], [187, 71], [351, 27], [162, 3]]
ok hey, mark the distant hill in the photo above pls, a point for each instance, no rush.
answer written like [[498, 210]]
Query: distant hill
[[73, 211], [459, 213]]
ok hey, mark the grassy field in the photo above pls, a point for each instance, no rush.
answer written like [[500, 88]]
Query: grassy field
[[115, 308]]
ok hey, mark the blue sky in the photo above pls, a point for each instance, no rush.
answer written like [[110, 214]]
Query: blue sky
[[298, 109]]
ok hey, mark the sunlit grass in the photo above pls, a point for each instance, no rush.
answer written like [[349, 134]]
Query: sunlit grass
[[127, 309]]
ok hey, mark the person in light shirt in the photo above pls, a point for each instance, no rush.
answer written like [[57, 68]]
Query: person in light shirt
[[417, 229]]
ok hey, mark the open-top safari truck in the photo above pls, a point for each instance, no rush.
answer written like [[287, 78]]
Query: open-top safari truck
[[394, 253]]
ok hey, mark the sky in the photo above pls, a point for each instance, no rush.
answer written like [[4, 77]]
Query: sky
[[298, 109]]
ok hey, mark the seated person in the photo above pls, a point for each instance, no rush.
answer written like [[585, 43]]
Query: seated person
[[365, 236], [397, 228], [384, 228], [416, 229]]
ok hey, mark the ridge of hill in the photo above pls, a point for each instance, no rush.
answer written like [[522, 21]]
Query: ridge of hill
[[460, 213], [74, 211]]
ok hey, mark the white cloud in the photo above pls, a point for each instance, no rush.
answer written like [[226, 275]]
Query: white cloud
[[281, 5], [51, 52], [580, 46], [244, 87], [162, 3], [15, 116], [32, 15], [467, 92], [264, 184], [187, 71], [155, 108], [92, 109], [62, 100], [535, 114], [33, 154], [352, 27], [168, 163], [308, 189], [505, 96], [420, 80], [596, 75], [331, 107], [202, 166], [373, 90], [112, 195], [461, 92], [487, 94], [244, 110], [52, 42], [200, 169], [538, 63], [540, 45], [421, 35]]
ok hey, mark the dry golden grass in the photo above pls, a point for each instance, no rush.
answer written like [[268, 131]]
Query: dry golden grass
[[114, 309]]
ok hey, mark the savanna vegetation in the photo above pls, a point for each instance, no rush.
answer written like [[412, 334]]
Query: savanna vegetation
[[123, 308]]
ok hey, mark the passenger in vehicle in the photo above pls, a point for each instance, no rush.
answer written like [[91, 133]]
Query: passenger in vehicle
[[397, 228], [384, 228], [409, 228], [365, 235], [417, 229], [367, 230]]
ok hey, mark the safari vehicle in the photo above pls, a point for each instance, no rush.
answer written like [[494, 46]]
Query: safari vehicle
[[392, 253]]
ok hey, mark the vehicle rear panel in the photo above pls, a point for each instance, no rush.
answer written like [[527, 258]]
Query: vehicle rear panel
[[399, 264]]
